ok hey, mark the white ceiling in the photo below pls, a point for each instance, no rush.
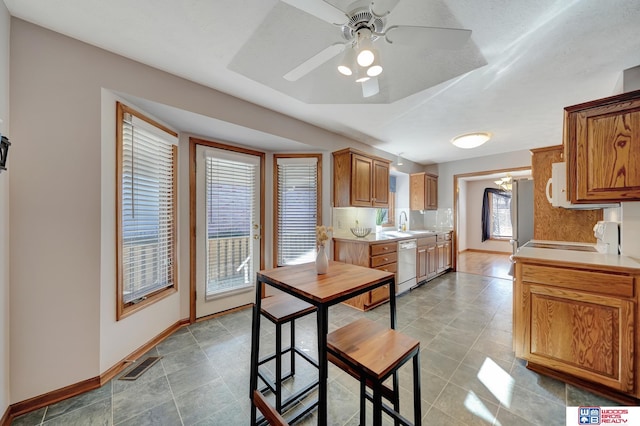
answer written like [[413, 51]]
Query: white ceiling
[[540, 56]]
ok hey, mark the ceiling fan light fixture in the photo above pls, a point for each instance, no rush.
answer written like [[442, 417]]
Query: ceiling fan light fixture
[[471, 140], [346, 64], [361, 75], [366, 54], [376, 68]]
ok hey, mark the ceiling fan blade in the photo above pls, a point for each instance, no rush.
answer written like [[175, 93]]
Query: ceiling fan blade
[[320, 9], [383, 7], [314, 62], [428, 37], [370, 87]]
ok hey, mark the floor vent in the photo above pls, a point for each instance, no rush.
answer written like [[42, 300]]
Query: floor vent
[[139, 369]]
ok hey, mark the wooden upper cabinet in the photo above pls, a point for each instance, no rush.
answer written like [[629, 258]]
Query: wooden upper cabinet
[[423, 191], [602, 149], [380, 186], [360, 180]]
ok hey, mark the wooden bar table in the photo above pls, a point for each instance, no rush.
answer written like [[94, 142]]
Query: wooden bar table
[[341, 282]]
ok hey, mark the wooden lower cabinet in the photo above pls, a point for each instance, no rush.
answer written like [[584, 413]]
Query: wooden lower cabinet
[[434, 256], [382, 256], [579, 322]]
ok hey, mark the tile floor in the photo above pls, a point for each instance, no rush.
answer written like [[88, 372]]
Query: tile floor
[[469, 373]]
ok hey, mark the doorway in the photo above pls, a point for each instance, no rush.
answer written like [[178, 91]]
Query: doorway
[[227, 199], [467, 211]]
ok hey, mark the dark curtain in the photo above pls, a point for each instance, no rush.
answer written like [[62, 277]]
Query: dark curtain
[[486, 210]]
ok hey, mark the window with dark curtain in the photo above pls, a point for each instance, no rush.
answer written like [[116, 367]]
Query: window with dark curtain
[[496, 218]]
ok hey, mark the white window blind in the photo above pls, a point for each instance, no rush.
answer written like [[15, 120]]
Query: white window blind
[[148, 209], [297, 209], [231, 201]]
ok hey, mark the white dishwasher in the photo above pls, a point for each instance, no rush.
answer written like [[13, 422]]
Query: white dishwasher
[[406, 277]]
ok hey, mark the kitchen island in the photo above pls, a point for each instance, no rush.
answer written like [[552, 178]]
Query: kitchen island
[[575, 316]]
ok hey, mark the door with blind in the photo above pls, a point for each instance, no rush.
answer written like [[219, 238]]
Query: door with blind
[[227, 229]]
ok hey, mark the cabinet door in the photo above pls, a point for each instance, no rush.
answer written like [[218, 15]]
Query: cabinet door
[[432, 261], [603, 149], [448, 255], [361, 180], [442, 257], [417, 192], [586, 335], [421, 264], [380, 184], [432, 192]]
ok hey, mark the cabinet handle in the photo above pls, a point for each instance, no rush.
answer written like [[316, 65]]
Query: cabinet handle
[[386, 258], [385, 248]]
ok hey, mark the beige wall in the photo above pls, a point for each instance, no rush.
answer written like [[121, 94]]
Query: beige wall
[[4, 214], [62, 203]]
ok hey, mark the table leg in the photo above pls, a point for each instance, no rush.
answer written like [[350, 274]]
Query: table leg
[[392, 302], [255, 349], [323, 330]]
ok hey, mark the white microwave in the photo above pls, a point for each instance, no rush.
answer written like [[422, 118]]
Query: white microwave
[[557, 191]]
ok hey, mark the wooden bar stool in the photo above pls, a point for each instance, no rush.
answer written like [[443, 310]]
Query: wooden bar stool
[[281, 309], [372, 352]]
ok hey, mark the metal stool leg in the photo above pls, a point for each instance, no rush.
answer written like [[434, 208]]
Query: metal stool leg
[[417, 402], [278, 378], [292, 352]]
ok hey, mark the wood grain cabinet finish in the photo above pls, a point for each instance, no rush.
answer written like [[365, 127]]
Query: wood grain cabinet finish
[[602, 148], [579, 322], [382, 256], [434, 256], [360, 180], [577, 225], [423, 191]]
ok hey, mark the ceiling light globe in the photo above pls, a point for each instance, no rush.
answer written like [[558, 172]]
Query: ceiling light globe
[[374, 71], [471, 140], [365, 58]]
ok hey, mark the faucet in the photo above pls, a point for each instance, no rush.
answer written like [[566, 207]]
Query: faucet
[[402, 226]]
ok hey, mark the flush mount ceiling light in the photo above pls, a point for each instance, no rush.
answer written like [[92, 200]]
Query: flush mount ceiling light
[[471, 140]]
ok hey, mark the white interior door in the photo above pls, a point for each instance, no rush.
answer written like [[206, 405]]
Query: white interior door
[[227, 229]]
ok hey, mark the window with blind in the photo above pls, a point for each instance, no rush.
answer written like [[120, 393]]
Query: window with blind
[[298, 207], [146, 215]]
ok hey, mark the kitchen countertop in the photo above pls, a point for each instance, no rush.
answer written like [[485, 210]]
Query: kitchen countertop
[[564, 253], [389, 235]]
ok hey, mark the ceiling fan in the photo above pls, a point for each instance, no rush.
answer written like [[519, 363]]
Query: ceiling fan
[[361, 27]]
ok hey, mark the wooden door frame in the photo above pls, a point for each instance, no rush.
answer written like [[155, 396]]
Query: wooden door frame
[[193, 142], [456, 194]]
